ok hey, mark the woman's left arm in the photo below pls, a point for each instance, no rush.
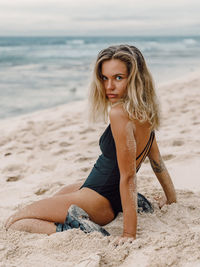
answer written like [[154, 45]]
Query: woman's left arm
[[162, 175], [123, 133]]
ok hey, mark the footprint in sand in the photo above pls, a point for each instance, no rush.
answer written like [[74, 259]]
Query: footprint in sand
[[4, 141], [50, 123], [57, 126], [60, 152], [85, 169], [48, 188], [47, 168], [13, 171], [93, 143], [81, 159], [13, 167], [52, 142], [28, 147], [184, 131], [87, 130], [177, 143], [7, 154], [168, 157], [65, 144], [14, 178], [27, 141], [41, 191]]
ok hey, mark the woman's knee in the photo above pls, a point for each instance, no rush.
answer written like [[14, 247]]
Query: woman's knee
[[34, 226], [20, 225]]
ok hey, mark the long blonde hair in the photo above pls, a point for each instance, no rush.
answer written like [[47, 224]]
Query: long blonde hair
[[140, 101]]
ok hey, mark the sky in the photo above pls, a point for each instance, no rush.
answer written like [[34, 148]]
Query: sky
[[101, 17]]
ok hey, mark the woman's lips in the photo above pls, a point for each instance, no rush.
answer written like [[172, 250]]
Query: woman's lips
[[111, 95]]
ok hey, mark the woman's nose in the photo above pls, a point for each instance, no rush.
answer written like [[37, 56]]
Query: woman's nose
[[110, 84]]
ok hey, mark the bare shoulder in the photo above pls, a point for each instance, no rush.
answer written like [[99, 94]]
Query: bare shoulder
[[117, 113], [120, 120]]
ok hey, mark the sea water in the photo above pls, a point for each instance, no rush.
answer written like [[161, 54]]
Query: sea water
[[42, 72]]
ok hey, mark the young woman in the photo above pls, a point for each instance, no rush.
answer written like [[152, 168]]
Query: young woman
[[121, 89]]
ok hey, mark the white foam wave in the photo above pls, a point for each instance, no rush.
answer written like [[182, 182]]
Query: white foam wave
[[189, 41], [75, 41]]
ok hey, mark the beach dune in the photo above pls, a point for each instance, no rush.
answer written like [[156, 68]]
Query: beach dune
[[45, 150]]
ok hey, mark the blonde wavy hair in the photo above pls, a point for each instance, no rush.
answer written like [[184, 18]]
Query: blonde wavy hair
[[140, 102]]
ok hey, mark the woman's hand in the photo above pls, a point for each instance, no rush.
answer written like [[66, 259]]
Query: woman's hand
[[161, 200], [121, 240]]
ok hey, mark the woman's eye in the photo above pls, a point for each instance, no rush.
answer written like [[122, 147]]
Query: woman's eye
[[118, 78], [104, 78]]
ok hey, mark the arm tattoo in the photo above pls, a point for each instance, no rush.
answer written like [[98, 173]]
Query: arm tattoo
[[157, 166]]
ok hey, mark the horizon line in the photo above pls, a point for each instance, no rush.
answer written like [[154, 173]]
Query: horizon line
[[87, 36]]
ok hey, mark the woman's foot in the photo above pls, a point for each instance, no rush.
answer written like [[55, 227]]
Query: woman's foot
[[143, 204], [78, 218]]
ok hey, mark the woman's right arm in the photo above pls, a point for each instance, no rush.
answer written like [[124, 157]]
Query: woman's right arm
[[162, 174]]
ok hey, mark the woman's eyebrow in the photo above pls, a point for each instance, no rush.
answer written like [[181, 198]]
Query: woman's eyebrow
[[117, 74]]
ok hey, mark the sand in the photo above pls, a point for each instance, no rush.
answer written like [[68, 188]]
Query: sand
[[43, 151]]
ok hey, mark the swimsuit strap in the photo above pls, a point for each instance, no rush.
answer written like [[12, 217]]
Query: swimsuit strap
[[146, 150], [146, 147]]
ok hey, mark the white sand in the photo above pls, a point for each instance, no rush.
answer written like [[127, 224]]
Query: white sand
[[43, 151]]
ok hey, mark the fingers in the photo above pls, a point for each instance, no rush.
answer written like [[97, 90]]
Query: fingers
[[161, 200], [120, 241]]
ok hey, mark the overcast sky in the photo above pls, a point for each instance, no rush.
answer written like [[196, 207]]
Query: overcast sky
[[101, 17]]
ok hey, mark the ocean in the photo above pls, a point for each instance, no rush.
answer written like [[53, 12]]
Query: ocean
[[42, 72]]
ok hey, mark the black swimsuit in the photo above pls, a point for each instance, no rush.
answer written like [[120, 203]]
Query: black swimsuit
[[104, 178]]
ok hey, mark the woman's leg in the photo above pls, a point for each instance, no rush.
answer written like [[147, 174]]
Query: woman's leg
[[34, 226], [69, 189], [41, 226], [55, 209]]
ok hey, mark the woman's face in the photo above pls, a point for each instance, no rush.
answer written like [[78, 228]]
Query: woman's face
[[115, 79]]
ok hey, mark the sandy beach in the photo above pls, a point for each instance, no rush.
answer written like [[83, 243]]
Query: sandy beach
[[43, 151]]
